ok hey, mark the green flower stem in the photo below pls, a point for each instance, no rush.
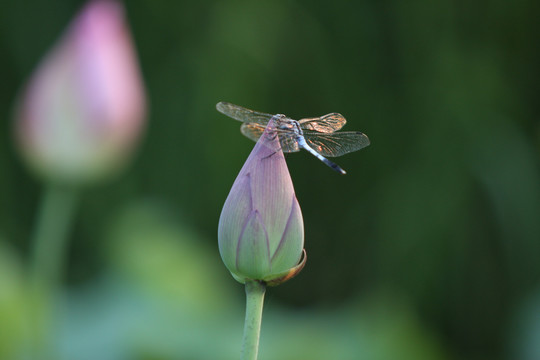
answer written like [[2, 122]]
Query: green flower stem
[[252, 327], [48, 247], [50, 237]]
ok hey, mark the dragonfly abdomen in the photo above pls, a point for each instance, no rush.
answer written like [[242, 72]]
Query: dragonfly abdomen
[[303, 144]]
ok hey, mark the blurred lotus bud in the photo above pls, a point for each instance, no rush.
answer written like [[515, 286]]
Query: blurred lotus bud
[[82, 112], [261, 231]]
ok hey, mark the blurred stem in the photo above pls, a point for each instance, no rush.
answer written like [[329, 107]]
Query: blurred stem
[[50, 235], [252, 327], [54, 218]]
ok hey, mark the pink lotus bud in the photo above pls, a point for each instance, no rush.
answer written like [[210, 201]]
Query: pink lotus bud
[[261, 231], [83, 110]]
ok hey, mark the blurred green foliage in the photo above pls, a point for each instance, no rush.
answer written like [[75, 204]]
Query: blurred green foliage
[[427, 249]]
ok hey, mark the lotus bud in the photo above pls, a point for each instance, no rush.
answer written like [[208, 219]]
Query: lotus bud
[[81, 114], [261, 231]]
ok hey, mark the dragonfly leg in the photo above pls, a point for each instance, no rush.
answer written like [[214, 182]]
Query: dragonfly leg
[[272, 135], [272, 154]]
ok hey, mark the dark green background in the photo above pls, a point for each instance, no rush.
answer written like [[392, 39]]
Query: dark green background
[[439, 219]]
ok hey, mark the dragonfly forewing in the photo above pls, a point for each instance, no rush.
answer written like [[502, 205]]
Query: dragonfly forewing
[[325, 124], [240, 113]]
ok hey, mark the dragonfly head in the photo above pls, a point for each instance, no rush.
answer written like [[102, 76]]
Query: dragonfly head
[[283, 122], [279, 118]]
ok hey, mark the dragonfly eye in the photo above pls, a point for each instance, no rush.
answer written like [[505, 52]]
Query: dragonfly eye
[[279, 119], [285, 126]]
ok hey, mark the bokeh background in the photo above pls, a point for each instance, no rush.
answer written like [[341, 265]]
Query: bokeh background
[[427, 249]]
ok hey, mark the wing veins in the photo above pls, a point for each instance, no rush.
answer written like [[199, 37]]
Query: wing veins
[[325, 124], [336, 144], [243, 114]]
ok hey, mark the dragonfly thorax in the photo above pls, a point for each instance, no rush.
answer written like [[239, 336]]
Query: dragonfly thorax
[[285, 123]]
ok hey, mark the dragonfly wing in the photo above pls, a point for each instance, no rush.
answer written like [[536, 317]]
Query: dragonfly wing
[[325, 124], [288, 142], [254, 131], [336, 144], [240, 113]]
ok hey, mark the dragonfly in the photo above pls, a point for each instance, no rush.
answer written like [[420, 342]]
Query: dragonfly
[[316, 135]]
